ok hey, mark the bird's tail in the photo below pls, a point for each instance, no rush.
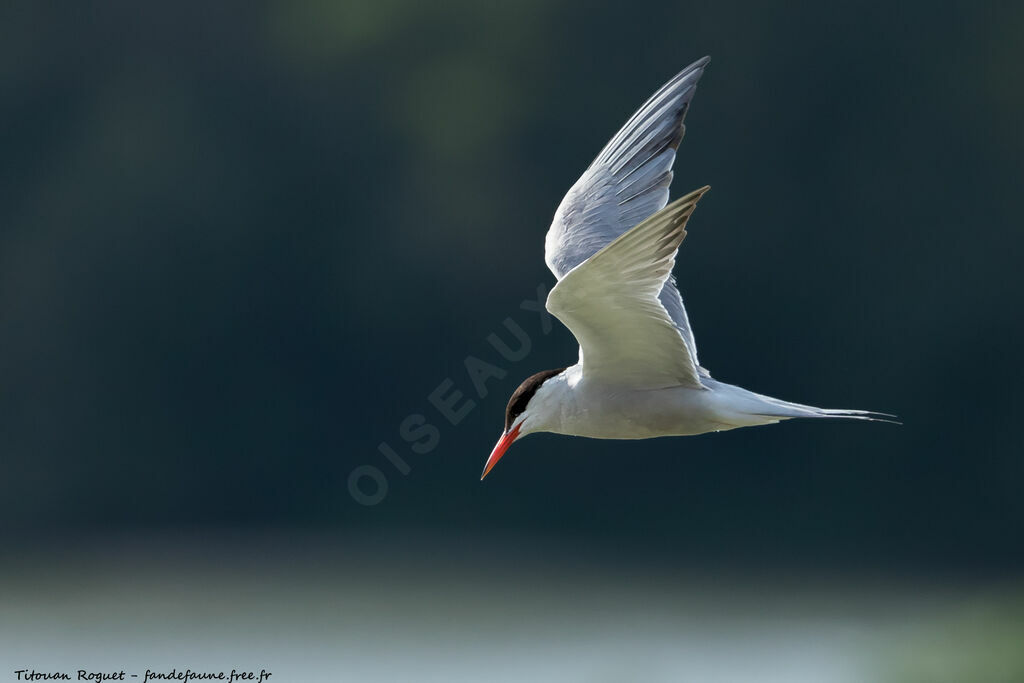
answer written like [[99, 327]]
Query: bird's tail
[[771, 409], [788, 410]]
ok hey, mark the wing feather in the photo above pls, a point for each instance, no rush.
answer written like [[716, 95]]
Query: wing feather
[[628, 182], [611, 304]]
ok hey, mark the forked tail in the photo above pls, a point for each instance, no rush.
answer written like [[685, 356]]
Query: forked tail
[[788, 410], [775, 409]]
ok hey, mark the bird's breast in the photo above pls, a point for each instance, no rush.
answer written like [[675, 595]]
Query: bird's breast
[[616, 413]]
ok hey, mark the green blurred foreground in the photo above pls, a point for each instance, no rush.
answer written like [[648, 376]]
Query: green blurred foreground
[[465, 611]]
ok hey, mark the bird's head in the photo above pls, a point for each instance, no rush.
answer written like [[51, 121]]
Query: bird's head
[[532, 408]]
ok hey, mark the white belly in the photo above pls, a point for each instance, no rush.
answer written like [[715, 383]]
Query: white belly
[[603, 413]]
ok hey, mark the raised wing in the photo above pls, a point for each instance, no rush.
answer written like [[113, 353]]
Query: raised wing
[[610, 303], [626, 183]]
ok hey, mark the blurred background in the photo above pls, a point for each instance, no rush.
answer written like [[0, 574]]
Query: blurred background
[[243, 244]]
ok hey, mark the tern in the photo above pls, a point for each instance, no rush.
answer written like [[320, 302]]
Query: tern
[[612, 246]]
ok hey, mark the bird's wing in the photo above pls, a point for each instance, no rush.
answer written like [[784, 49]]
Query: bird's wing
[[626, 183], [610, 303]]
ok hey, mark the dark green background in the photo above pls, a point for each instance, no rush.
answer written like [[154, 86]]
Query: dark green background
[[240, 244]]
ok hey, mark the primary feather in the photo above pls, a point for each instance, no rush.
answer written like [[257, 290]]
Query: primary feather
[[628, 182]]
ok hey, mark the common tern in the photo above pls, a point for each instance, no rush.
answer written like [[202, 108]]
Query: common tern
[[612, 245]]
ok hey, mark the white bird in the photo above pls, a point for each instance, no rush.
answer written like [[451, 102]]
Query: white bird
[[612, 246]]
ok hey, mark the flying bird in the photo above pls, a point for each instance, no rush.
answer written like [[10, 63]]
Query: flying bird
[[612, 245]]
